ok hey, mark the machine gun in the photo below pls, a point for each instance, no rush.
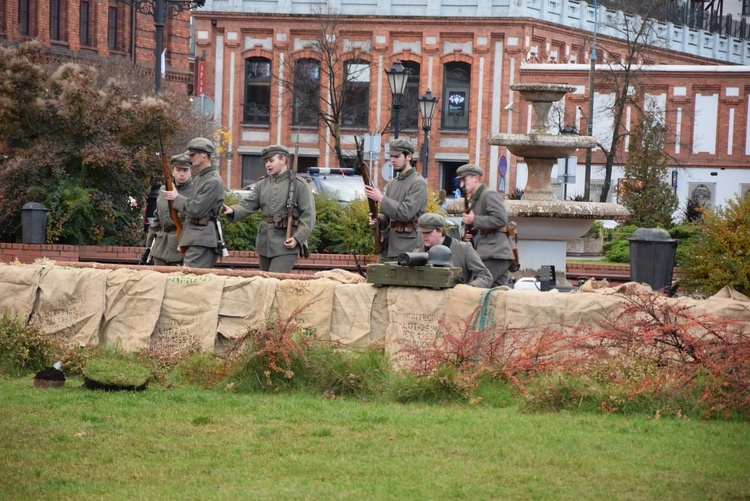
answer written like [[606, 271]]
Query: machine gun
[[373, 206]]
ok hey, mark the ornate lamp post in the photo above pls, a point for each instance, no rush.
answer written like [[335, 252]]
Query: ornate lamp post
[[590, 118], [427, 105], [397, 78], [160, 10]]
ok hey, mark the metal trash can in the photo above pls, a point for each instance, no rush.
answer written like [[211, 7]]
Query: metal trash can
[[652, 253], [34, 223]]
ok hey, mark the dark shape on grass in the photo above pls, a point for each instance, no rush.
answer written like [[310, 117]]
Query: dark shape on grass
[[49, 377]]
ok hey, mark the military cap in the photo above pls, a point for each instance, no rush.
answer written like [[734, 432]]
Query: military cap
[[275, 149], [469, 170], [201, 144], [180, 160], [399, 146], [430, 221]]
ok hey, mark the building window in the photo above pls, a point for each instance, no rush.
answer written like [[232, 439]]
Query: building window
[[56, 20], [257, 91], [83, 29], [24, 17], [306, 92], [456, 85], [409, 114], [356, 100], [253, 168], [746, 7], [113, 29]]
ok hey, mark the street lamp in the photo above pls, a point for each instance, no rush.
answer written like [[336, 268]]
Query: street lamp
[[568, 130], [427, 105], [397, 78], [590, 118], [160, 10]]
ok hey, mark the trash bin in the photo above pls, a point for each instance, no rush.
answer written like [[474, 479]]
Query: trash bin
[[652, 253], [34, 223]]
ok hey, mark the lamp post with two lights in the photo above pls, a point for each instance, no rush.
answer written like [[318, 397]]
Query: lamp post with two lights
[[427, 105]]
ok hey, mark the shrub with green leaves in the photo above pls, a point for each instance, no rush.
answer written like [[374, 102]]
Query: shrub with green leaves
[[23, 347], [721, 255]]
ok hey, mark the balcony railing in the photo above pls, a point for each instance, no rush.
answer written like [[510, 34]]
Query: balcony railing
[[256, 114]]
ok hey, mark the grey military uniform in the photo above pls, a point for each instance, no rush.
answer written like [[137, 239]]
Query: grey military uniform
[[163, 232], [270, 195], [491, 244], [201, 210], [404, 200], [463, 256]]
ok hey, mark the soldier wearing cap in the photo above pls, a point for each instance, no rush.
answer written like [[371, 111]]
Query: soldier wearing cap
[[463, 255], [487, 217], [402, 201], [270, 195], [162, 233], [199, 237]]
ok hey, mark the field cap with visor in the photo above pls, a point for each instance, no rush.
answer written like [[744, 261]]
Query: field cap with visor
[[468, 170], [430, 221], [201, 144], [276, 149], [181, 160], [398, 146]]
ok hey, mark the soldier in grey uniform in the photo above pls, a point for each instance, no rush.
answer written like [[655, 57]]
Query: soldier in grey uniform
[[201, 208], [162, 233], [463, 255], [402, 201], [270, 195], [488, 220]]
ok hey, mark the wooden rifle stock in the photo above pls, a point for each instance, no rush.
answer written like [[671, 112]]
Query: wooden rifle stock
[[292, 185], [468, 207], [373, 205], [170, 187]]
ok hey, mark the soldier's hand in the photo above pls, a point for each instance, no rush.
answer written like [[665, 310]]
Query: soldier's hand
[[468, 218], [225, 209], [290, 243], [171, 195], [373, 193]]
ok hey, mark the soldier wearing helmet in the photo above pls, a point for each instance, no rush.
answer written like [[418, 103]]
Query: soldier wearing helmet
[[402, 201], [463, 255], [202, 208], [162, 233]]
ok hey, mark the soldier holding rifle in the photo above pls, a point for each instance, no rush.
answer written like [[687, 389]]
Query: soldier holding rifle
[[276, 243], [486, 221], [162, 233], [402, 201], [200, 234]]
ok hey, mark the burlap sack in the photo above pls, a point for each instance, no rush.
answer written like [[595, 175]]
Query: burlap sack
[[133, 307], [309, 302], [18, 288], [189, 313], [350, 319], [245, 304], [71, 303], [413, 317]]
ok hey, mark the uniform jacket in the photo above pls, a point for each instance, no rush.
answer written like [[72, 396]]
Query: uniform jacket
[[490, 214], [404, 200], [269, 195], [205, 200], [162, 231], [464, 256]]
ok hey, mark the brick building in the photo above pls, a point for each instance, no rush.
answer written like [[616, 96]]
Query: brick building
[[83, 29]]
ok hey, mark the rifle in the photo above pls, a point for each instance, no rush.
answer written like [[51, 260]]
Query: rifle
[[513, 238], [170, 187], [377, 238], [292, 185], [468, 207]]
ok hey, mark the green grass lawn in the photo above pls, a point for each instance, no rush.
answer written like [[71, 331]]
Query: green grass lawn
[[184, 443]]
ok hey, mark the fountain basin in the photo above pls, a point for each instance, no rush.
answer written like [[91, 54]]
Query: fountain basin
[[541, 145]]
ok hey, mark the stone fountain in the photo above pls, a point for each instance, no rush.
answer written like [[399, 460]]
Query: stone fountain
[[545, 224]]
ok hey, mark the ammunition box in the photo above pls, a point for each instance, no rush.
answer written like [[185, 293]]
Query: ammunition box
[[429, 276]]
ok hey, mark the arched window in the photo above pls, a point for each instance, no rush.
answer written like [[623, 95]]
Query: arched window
[[306, 92], [456, 87], [409, 116], [257, 91], [356, 100]]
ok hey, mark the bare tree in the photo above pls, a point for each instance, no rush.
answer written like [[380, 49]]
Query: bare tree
[[624, 75], [328, 77]]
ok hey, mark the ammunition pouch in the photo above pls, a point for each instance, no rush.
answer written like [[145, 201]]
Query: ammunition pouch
[[403, 227], [280, 221], [200, 222]]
